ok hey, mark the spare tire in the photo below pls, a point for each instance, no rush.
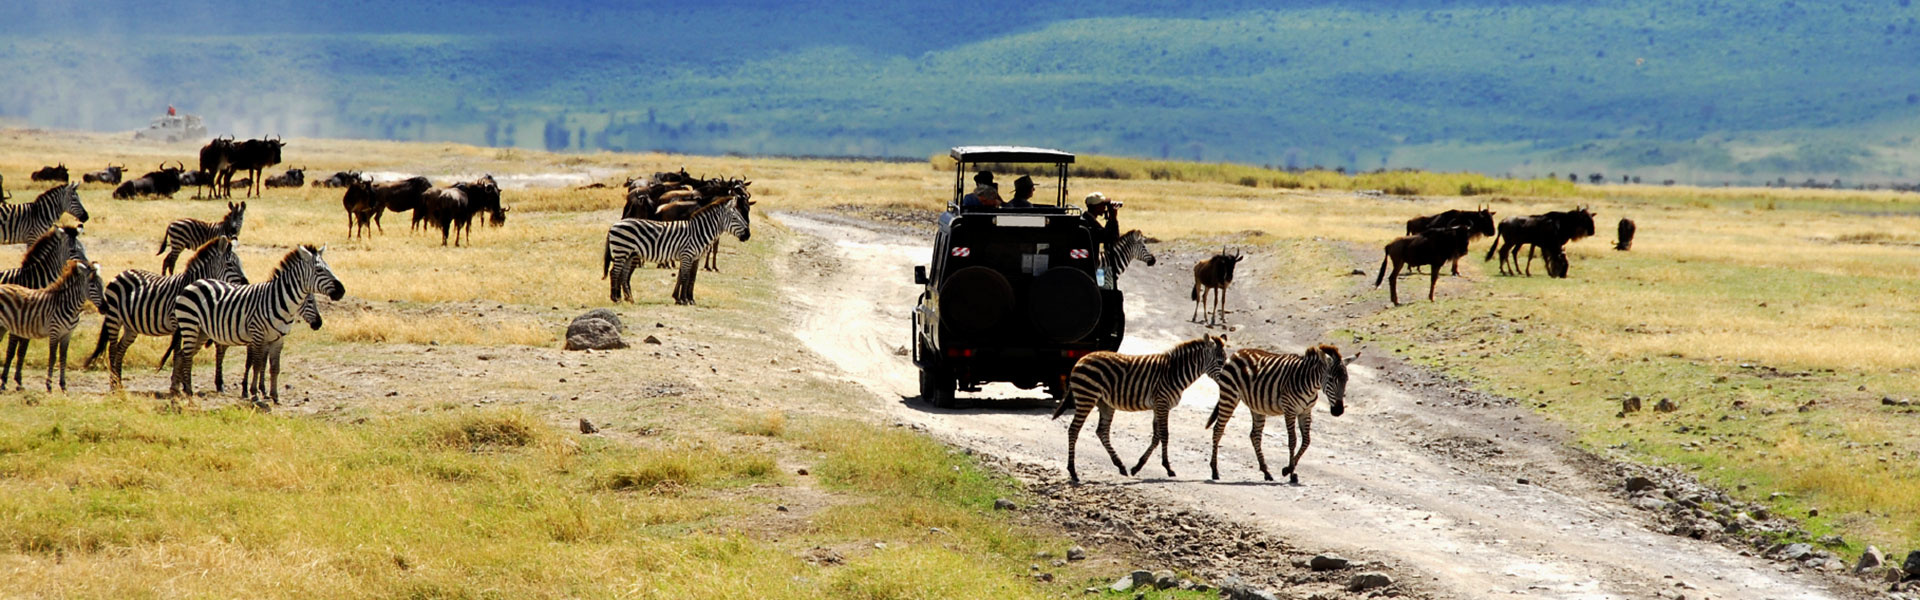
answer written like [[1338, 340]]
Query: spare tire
[[975, 299], [1065, 304]]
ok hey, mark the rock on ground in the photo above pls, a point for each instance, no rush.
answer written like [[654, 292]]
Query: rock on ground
[[593, 334], [604, 314], [1327, 562], [1368, 580]]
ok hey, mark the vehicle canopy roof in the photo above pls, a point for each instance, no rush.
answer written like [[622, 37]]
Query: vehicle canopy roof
[[1010, 154]]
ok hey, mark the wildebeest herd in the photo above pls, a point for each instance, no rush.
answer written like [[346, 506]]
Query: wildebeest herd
[[1436, 240]]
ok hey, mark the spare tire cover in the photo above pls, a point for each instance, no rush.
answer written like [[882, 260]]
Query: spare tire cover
[[975, 299], [1065, 304]]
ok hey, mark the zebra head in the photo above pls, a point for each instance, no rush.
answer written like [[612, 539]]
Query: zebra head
[[1131, 247], [324, 281], [236, 215], [1334, 384], [310, 312], [73, 206], [736, 223], [75, 249], [1215, 355]]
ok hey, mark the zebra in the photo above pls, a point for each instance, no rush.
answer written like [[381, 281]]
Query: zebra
[[1112, 381], [50, 312], [631, 241], [216, 312], [253, 376], [140, 302], [191, 233], [1279, 384], [46, 258], [1129, 247], [22, 223]]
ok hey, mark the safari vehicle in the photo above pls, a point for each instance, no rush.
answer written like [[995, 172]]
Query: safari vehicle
[[1012, 295], [173, 128]]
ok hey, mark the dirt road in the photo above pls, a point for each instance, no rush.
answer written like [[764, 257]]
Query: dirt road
[[1415, 474]]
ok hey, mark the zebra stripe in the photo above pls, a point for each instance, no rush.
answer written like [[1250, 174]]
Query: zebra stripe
[[632, 241], [1130, 247], [50, 313], [140, 302], [191, 233], [217, 312], [21, 223], [253, 375], [1279, 384], [1112, 381], [47, 258]]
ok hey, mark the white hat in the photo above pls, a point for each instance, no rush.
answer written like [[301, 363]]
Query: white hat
[[1096, 199]]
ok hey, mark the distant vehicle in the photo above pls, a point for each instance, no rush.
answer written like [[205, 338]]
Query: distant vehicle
[[1012, 294], [173, 128]]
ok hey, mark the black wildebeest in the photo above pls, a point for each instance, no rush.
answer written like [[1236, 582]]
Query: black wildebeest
[[251, 156], [1211, 277], [163, 182], [215, 158], [1548, 233], [292, 178], [1432, 247], [1625, 241], [361, 206], [340, 179], [111, 174], [453, 207], [58, 173], [1480, 223], [377, 199]]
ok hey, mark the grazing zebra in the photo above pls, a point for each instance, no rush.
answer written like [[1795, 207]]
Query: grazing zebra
[[140, 302], [191, 233], [1112, 381], [1130, 247], [49, 312], [217, 312], [1279, 384], [21, 223], [47, 258], [631, 241]]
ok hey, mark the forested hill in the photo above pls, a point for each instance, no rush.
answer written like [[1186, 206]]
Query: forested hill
[[1705, 91]]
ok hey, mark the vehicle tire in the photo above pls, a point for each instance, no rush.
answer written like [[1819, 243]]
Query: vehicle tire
[[975, 299], [936, 386], [1065, 304]]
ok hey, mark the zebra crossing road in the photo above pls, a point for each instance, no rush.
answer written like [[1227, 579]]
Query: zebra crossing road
[[1409, 475]]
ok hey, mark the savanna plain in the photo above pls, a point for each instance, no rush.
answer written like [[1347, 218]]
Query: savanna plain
[[428, 442]]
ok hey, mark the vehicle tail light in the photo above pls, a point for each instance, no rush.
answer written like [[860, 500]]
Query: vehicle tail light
[[1076, 354], [959, 353]]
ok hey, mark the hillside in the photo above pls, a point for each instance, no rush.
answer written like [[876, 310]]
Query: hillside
[[1719, 91]]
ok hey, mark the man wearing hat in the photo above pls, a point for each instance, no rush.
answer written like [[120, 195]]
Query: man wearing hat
[[985, 196], [1022, 193], [1103, 235]]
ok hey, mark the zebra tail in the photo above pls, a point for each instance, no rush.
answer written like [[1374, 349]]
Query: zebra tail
[[106, 334], [1213, 416], [163, 245], [1496, 244], [606, 257], [1065, 401], [172, 345]]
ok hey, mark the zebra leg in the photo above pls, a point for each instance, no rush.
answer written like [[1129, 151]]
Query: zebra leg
[[1073, 438], [7, 366], [57, 348], [1105, 432], [683, 285], [1306, 438], [1258, 437], [1221, 414], [273, 354], [621, 270], [1294, 449], [20, 367], [1158, 436], [219, 368], [713, 256], [1163, 431]]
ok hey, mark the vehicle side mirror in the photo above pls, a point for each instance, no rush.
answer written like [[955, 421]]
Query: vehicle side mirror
[[920, 274]]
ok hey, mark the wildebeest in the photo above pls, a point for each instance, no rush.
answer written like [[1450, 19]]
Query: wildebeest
[[375, 199], [1432, 247], [111, 174], [1625, 241], [251, 156], [340, 179], [1480, 223], [292, 178], [1213, 276], [453, 207], [215, 158], [1548, 233], [162, 182], [243, 182], [196, 179], [58, 173]]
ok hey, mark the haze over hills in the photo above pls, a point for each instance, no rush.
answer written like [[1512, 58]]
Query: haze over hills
[[1702, 92]]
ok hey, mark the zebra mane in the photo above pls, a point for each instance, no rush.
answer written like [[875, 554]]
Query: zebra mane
[[54, 191], [1326, 350], [66, 274], [47, 243], [291, 259], [709, 206], [202, 253]]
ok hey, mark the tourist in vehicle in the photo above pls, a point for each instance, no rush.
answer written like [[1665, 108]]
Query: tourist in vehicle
[[1104, 236], [1022, 193], [985, 196]]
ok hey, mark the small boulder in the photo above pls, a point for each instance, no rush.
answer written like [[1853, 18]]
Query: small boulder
[[1076, 553], [1122, 585], [1796, 552], [1141, 577], [1165, 580], [593, 334], [604, 314], [1368, 580], [651, 340], [1327, 562], [1870, 560], [1638, 484], [1912, 565]]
